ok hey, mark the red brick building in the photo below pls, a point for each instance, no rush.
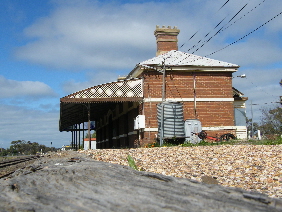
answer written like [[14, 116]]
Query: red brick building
[[202, 85]]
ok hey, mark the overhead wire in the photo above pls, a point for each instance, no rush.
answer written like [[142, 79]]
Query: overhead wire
[[199, 29], [245, 35], [223, 5], [237, 13], [226, 27], [220, 30], [244, 15], [232, 42], [236, 40]]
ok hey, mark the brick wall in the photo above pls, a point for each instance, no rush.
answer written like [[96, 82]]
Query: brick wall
[[178, 85], [181, 85]]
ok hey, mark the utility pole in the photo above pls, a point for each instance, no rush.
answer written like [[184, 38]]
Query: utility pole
[[163, 100]]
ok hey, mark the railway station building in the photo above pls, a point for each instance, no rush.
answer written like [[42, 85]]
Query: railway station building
[[125, 111]]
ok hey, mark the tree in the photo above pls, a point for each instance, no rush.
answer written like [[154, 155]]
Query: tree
[[271, 122], [92, 136], [27, 148]]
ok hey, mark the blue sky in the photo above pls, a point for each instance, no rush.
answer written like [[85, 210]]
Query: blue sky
[[50, 49]]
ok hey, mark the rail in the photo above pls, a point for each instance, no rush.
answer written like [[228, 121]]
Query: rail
[[8, 167]]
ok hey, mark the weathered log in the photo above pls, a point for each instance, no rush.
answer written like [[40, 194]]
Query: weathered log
[[87, 185]]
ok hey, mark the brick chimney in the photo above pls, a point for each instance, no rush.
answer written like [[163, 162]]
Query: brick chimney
[[166, 39]]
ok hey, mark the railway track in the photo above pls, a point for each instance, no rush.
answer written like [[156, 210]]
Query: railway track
[[8, 167]]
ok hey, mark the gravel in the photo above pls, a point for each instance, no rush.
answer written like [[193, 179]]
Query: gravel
[[251, 167]]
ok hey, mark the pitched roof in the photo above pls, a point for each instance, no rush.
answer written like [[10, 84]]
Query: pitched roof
[[178, 58]]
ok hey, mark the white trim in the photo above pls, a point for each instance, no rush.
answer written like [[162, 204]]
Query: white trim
[[190, 99], [151, 130], [206, 128], [220, 128]]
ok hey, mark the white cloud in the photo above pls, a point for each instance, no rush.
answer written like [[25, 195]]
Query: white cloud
[[79, 35], [254, 52], [94, 78], [87, 36], [110, 36], [18, 123], [32, 89]]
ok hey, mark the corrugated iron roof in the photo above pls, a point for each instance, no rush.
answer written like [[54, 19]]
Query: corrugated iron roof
[[178, 58]]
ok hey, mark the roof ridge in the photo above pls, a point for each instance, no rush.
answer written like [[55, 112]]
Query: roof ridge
[[179, 58]]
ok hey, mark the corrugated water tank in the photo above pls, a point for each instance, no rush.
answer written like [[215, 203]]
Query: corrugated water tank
[[192, 127], [170, 120]]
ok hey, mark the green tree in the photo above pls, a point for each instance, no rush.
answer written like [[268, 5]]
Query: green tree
[[92, 136], [271, 122], [27, 148]]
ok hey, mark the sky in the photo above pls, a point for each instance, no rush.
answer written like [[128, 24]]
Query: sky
[[52, 48]]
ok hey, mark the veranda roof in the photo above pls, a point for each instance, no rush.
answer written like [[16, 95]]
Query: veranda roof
[[100, 98]]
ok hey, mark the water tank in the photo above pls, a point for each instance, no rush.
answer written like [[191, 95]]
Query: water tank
[[170, 120], [192, 127]]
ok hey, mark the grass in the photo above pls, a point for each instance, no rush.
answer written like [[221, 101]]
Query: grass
[[277, 141], [131, 162]]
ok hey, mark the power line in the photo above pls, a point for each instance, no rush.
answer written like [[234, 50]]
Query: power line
[[217, 31], [245, 35], [222, 28], [199, 29], [223, 5], [237, 13], [243, 15], [207, 35], [236, 40]]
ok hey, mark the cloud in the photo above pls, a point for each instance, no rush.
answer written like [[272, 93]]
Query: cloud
[[32, 89], [94, 78], [93, 35], [86, 36], [252, 52], [18, 123]]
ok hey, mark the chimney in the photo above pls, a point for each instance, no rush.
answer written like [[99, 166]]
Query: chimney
[[166, 39]]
